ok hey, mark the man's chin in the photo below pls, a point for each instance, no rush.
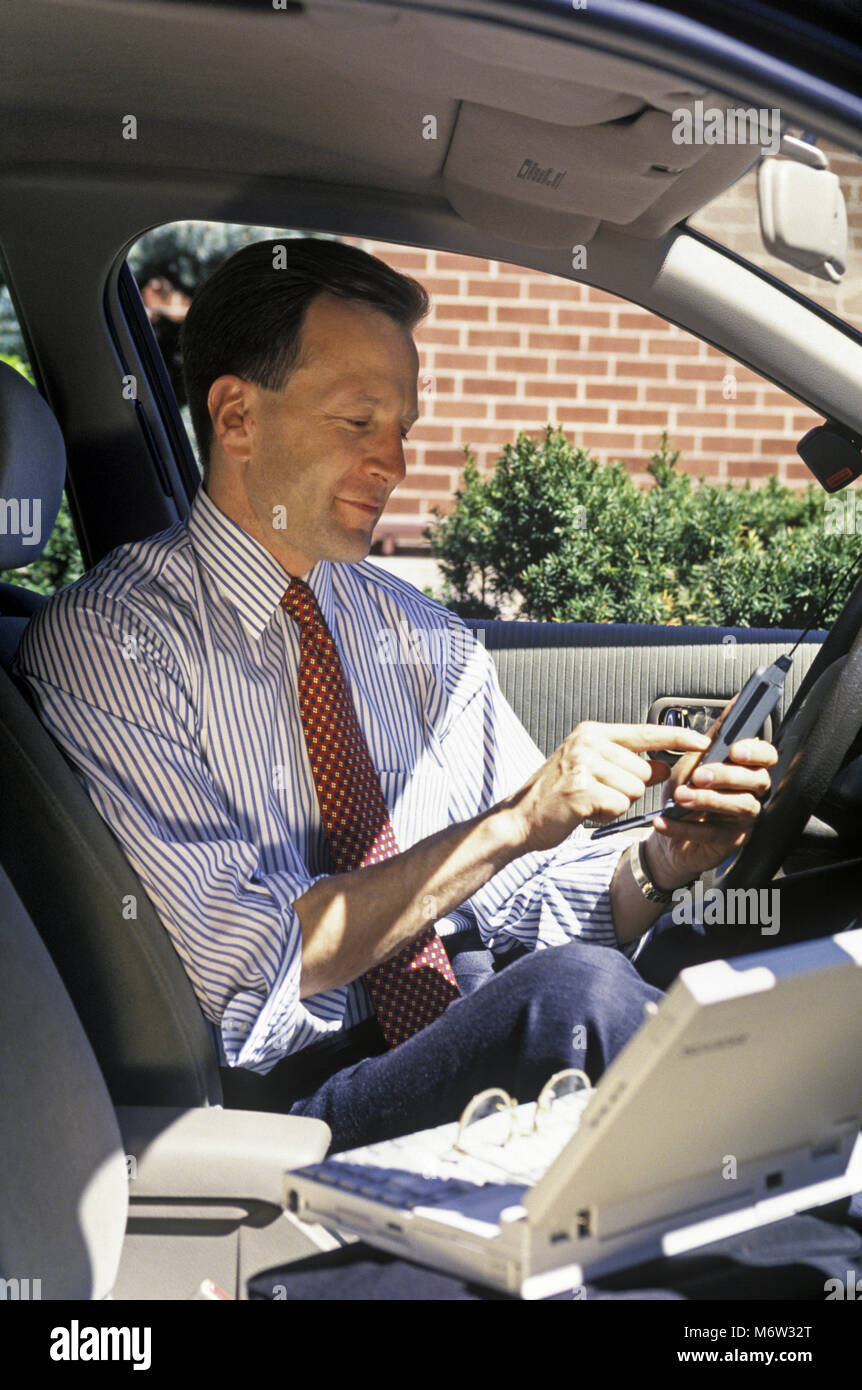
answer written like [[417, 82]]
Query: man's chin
[[352, 546]]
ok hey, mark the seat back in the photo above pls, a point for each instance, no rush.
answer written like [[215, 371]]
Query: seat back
[[116, 960], [63, 1186]]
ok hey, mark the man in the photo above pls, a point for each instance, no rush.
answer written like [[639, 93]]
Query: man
[[313, 820]]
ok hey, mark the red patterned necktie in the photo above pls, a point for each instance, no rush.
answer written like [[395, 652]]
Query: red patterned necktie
[[414, 987]]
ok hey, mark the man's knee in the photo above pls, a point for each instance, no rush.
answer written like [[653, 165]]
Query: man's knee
[[584, 974], [585, 1001]]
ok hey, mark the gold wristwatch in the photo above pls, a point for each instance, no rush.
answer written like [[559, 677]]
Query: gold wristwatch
[[640, 872]]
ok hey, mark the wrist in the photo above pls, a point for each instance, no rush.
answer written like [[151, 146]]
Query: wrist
[[506, 832], [660, 872]]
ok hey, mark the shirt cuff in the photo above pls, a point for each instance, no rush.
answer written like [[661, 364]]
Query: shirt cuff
[[256, 1031], [546, 899]]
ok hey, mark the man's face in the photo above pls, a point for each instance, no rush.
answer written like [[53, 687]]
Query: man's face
[[327, 450]]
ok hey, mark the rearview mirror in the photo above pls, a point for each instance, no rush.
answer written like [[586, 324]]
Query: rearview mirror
[[803, 216], [832, 453]]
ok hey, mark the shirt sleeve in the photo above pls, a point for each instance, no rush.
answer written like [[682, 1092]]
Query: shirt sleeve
[[540, 899], [111, 693]]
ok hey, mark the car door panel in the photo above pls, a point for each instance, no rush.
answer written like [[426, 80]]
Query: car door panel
[[557, 674]]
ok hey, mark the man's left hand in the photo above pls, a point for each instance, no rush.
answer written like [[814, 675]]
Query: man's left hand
[[726, 800]]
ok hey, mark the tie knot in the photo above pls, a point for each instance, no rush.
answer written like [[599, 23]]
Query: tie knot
[[299, 601]]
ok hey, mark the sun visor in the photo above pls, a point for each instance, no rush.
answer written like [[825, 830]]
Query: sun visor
[[552, 185]]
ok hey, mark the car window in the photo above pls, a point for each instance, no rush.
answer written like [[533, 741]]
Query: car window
[[508, 351], [58, 562]]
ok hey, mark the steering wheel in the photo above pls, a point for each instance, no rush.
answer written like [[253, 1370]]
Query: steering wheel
[[812, 741]]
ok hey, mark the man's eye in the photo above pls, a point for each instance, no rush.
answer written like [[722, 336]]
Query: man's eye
[[361, 424]]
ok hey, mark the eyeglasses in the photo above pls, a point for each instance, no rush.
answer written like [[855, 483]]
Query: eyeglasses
[[493, 1118]]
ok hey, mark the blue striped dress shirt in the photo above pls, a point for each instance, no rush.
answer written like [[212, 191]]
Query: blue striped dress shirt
[[168, 676]]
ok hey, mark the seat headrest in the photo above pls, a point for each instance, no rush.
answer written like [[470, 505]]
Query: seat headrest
[[32, 470]]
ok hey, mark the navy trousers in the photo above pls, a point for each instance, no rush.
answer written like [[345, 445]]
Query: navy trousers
[[519, 1020], [525, 1015]]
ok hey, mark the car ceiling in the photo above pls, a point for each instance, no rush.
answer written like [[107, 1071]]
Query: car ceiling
[[313, 118], [342, 94]]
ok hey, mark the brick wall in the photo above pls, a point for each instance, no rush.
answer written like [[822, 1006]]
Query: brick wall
[[507, 348]]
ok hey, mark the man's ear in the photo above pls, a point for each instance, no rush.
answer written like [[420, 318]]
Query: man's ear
[[231, 406]]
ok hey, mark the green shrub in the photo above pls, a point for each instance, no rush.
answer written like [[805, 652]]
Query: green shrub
[[13, 360], [553, 534], [60, 562]]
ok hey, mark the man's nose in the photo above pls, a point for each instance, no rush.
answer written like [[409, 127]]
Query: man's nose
[[386, 456]]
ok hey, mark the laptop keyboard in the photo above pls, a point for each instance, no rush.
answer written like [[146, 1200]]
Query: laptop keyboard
[[405, 1190]]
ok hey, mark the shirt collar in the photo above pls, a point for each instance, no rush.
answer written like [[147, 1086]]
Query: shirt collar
[[243, 570]]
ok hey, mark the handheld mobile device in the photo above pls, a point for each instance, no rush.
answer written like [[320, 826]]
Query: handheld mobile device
[[743, 719]]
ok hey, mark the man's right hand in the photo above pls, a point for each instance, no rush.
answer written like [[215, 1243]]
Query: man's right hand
[[596, 773]]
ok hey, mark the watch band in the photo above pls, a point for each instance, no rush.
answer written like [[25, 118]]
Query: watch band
[[640, 873]]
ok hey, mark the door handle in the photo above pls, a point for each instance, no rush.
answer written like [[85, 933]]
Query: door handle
[[697, 712]]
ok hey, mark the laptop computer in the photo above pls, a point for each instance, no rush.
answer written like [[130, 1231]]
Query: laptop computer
[[738, 1102]]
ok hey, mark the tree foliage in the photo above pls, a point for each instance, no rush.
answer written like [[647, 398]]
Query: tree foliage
[[553, 534]]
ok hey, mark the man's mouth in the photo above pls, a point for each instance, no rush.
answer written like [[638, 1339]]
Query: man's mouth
[[372, 508]]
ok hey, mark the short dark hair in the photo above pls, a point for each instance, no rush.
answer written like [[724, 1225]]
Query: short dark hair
[[246, 318]]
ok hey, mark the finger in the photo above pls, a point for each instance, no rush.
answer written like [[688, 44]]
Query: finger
[[611, 774], [608, 803], [726, 805], [723, 777], [648, 770], [754, 750], [660, 771], [640, 738], [585, 786], [701, 832]]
